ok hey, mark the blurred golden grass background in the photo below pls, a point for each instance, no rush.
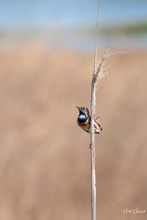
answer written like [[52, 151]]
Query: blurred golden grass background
[[44, 156]]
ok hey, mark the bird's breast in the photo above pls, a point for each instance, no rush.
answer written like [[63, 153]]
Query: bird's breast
[[82, 118]]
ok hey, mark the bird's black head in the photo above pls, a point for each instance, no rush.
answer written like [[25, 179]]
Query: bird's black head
[[83, 110]]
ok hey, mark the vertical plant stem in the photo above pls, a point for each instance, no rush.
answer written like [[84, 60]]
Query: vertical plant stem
[[92, 152], [98, 73]]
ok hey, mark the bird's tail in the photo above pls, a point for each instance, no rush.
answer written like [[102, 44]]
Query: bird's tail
[[97, 120]]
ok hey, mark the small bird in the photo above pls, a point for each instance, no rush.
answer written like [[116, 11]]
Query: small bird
[[84, 120]]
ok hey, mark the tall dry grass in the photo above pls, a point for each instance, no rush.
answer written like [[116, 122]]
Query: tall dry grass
[[43, 155]]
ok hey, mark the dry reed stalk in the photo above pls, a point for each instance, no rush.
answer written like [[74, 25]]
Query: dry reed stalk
[[97, 74]]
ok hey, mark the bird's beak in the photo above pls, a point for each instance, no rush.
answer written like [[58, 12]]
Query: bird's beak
[[80, 110]]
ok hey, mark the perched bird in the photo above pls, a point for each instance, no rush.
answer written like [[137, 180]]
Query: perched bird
[[84, 120]]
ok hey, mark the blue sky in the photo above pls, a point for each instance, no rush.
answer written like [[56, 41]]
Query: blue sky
[[19, 14], [70, 16]]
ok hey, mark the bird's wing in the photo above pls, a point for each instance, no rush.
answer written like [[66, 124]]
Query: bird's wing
[[97, 126], [97, 121]]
